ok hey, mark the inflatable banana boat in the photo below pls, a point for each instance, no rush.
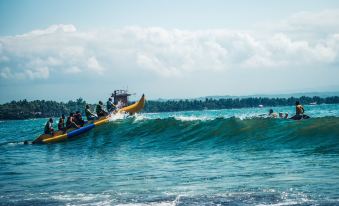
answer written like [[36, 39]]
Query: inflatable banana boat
[[72, 133]]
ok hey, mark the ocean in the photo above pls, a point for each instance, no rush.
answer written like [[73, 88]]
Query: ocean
[[210, 157]]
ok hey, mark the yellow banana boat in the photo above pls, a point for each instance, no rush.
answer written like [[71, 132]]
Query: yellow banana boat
[[134, 108], [71, 133]]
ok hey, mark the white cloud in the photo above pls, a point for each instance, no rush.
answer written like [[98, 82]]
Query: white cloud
[[5, 73], [73, 70], [38, 73], [305, 24], [51, 30], [94, 65], [323, 20], [62, 50]]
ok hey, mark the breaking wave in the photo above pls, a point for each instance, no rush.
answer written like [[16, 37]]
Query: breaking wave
[[318, 133]]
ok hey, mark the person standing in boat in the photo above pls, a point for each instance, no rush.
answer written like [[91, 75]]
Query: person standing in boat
[[110, 106], [61, 124], [70, 123], [49, 127], [89, 114], [100, 110]]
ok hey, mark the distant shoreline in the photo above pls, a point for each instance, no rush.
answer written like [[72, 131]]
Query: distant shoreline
[[23, 109], [232, 103]]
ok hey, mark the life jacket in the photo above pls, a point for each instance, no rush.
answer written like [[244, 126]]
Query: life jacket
[[78, 120], [98, 109], [108, 106], [47, 128], [88, 113], [61, 124], [68, 122]]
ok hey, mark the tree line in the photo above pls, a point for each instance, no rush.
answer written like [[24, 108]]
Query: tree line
[[24, 109], [230, 103]]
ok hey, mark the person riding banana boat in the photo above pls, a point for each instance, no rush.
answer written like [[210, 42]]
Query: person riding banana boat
[[110, 106], [89, 114], [70, 123], [75, 120], [61, 124], [75, 125], [78, 119], [49, 127], [100, 110]]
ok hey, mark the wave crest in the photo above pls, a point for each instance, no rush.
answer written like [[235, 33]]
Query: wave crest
[[320, 134]]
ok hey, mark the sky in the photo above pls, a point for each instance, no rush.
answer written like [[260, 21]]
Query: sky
[[62, 50]]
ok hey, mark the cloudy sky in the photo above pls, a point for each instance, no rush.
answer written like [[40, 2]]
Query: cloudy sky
[[63, 50]]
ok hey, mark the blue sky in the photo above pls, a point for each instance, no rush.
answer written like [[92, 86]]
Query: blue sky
[[167, 49], [20, 16]]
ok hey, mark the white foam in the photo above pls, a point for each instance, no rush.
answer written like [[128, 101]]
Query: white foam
[[140, 117], [290, 202], [117, 116], [84, 199], [149, 204], [14, 143], [192, 118], [248, 116]]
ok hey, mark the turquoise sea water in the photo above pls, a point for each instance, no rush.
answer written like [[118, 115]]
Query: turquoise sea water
[[220, 157]]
